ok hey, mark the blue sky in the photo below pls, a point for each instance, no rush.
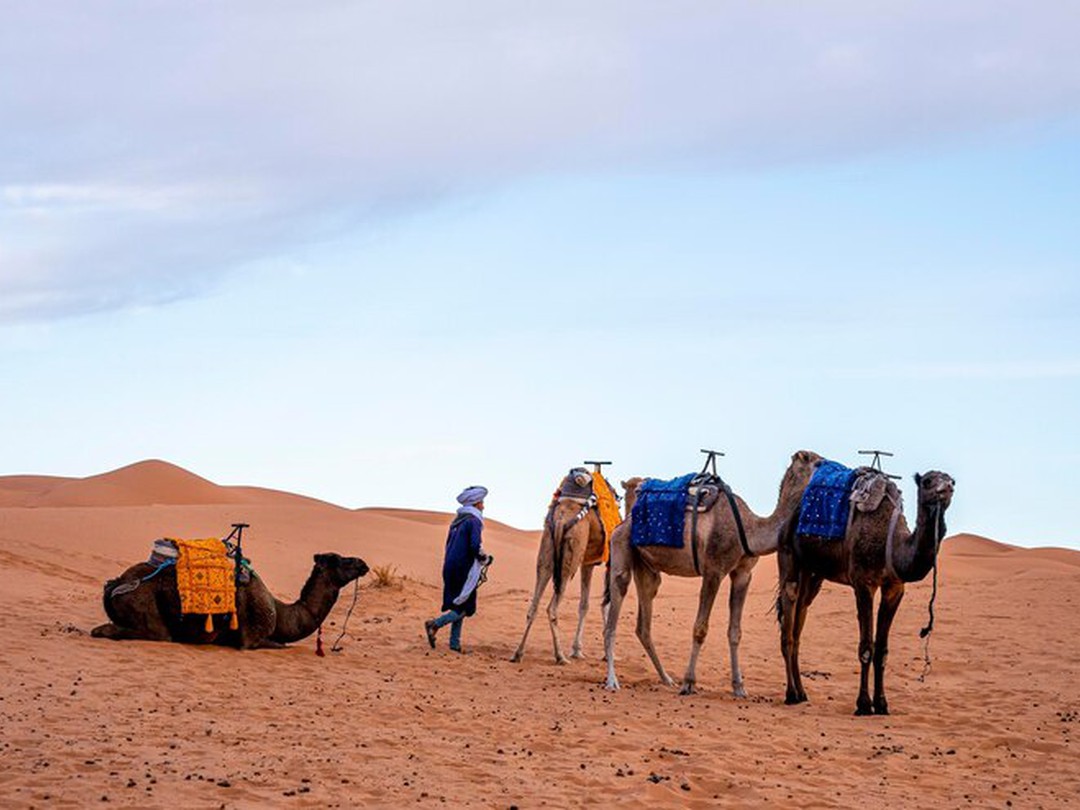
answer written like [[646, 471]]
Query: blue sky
[[373, 254]]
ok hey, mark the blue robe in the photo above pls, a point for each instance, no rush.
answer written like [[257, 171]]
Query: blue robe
[[462, 549]]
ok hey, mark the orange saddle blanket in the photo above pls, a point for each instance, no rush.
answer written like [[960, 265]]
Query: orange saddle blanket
[[206, 580], [609, 514]]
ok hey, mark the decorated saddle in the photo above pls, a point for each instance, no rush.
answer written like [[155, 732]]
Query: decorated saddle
[[659, 513], [592, 491], [663, 506], [833, 495], [607, 506], [206, 575]]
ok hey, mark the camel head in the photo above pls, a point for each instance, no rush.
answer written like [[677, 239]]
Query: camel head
[[630, 487], [340, 570], [800, 471], [935, 488]]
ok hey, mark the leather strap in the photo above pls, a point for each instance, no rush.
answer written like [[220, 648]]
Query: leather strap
[[693, 531], [738, 520], [898, 508]]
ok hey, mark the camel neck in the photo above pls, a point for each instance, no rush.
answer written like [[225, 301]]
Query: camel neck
[[303, 617], [915, 556], [763, 532]]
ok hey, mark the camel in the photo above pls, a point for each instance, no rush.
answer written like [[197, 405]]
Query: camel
[[866, 559], [721, 554], [573, 534], [149, 609]]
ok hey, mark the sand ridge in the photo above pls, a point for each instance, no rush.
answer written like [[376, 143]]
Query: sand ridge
[[388, 722]]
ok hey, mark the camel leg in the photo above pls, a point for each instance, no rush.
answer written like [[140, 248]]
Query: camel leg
[[543, 577], [647, 583], [605, 606], [583, 608], [864, 602], [710, 585], [740, 586], [118, 633], [618, 582], [553, 620], [796, 598], [891, 594], [786, 601], [808, 591]]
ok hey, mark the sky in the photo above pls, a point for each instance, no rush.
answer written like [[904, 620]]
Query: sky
[[375, 252]]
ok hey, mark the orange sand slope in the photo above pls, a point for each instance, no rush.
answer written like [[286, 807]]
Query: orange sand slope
[[387, 721]]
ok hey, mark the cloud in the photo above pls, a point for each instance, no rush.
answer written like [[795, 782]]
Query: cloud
[[150, 148]]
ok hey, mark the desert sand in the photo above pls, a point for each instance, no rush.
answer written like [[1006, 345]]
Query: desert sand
[[387, 722]]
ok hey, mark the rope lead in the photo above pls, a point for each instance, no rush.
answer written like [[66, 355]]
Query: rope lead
[[925, 632], [356, 592]]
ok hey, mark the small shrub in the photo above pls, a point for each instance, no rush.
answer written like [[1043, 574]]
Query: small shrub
[[385, 576]]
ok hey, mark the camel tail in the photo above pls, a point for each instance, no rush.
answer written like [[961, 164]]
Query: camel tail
[[557, 539], [106, 598]]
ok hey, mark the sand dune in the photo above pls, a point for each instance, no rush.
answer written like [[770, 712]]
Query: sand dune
[[145, 483], [387, 722]]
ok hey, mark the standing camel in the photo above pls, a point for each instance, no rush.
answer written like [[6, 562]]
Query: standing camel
[[573, 538], [877, 551], [721, 553]]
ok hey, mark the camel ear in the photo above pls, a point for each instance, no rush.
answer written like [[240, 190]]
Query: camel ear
[[918, 479]]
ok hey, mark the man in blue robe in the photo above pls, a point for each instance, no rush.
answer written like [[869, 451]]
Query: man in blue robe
[[462, 565]]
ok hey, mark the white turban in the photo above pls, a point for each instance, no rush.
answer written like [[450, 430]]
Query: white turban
[[472, 495]]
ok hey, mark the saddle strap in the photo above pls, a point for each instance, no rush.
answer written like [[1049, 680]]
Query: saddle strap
[[589, 503], [898, 508], [693, 530], [738, 521], [738, 525]]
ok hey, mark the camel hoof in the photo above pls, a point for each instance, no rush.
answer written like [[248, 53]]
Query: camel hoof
[[516, 657], [881, 708], [794, 700], [577, 654], [863, 711], [562, 659], [612, 685], [739, 691], [687, 689]]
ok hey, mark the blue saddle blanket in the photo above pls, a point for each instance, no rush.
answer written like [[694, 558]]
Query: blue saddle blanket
[[659, 513], [824, 510]]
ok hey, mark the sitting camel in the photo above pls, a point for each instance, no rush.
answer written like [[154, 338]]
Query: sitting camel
[[721, 552], [877, 551], [149, 609], [573, 538]]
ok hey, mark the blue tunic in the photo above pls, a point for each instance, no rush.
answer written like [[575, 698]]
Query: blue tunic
[[462, 549]]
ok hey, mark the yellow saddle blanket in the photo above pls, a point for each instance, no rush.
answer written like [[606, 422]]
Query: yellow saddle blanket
[[609, 513], [206, 579]]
